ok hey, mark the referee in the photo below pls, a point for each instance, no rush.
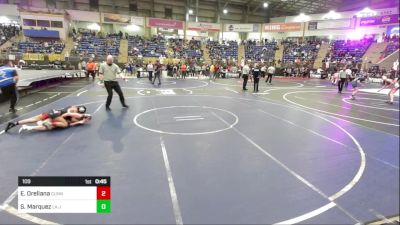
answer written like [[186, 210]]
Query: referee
[[8, 83], [108, 73]]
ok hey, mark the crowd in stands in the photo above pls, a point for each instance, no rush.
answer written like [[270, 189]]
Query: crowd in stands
[[185, 49], [36, 46], [7, 32], [393, 45], [298, 57], [348, 51], [92, 44], [154, 47], [300, 52], [183, 69], [223, 50], [265, 50]]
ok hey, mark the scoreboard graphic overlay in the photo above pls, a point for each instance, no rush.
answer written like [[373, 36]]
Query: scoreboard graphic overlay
[[64, 194]]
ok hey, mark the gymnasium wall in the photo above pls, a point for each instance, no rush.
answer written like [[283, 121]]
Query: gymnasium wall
[[40, 16]]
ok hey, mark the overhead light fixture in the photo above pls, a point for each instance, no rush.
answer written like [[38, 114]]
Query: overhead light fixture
[[366, 12], [265, 4], [331, 15], [4, 20], [225, 11], [93, 26], [302, 18], [132, 27], [190, 11]]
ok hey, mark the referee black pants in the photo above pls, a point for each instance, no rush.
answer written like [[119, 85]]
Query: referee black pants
[[245, 79], [340, 84], [91, 73], [269, 78], [11, 92], [256, 81], [110, 85], [157, 75]]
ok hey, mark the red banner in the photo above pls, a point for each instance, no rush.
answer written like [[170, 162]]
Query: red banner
[[169, 24], [282, 27]]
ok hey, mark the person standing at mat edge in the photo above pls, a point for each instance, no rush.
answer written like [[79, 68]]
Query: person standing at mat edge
[[256, 76], [245, 75], [342, 79], [157, 73], [271, 72], [108, 73], [91, 69], [150, 70], [8, 83]]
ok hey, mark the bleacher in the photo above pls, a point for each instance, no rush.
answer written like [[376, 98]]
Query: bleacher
[[391, 47], [183, 49], [43, 47], [224, 50], [7, 32], [350, 49], [155, 47], [258, 52], [305, 52], [89, 44]]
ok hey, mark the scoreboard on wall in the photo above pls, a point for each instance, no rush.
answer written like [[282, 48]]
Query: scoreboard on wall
[[64, 194]]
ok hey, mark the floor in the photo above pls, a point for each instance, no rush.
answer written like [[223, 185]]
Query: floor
[[200, 152]]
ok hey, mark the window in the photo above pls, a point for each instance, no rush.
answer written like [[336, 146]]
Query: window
[[168, 13], [57, 24], [133, 7], [94, 4], [29, 22], [43, 23]]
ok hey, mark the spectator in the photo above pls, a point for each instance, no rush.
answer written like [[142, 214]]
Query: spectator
[[150, 70]]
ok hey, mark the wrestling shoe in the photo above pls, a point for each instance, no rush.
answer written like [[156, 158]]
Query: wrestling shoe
[[24, 128], [9, 126]]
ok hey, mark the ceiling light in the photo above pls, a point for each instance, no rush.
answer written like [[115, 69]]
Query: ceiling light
[[93, 26], [366, 12], [4, 20], [265, 4], [225, 11], [332, 15], [302, 18], [190, 11]]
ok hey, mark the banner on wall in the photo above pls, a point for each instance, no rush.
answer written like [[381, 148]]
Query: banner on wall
[[86, 16], [137, 20], [379, 20], [169, 24], [41, 33], [204, 26], [55, 57], [387, 11], [115, 18], [243, 27], [125, 19], [33, 56], [334, 24], [282, 27]]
